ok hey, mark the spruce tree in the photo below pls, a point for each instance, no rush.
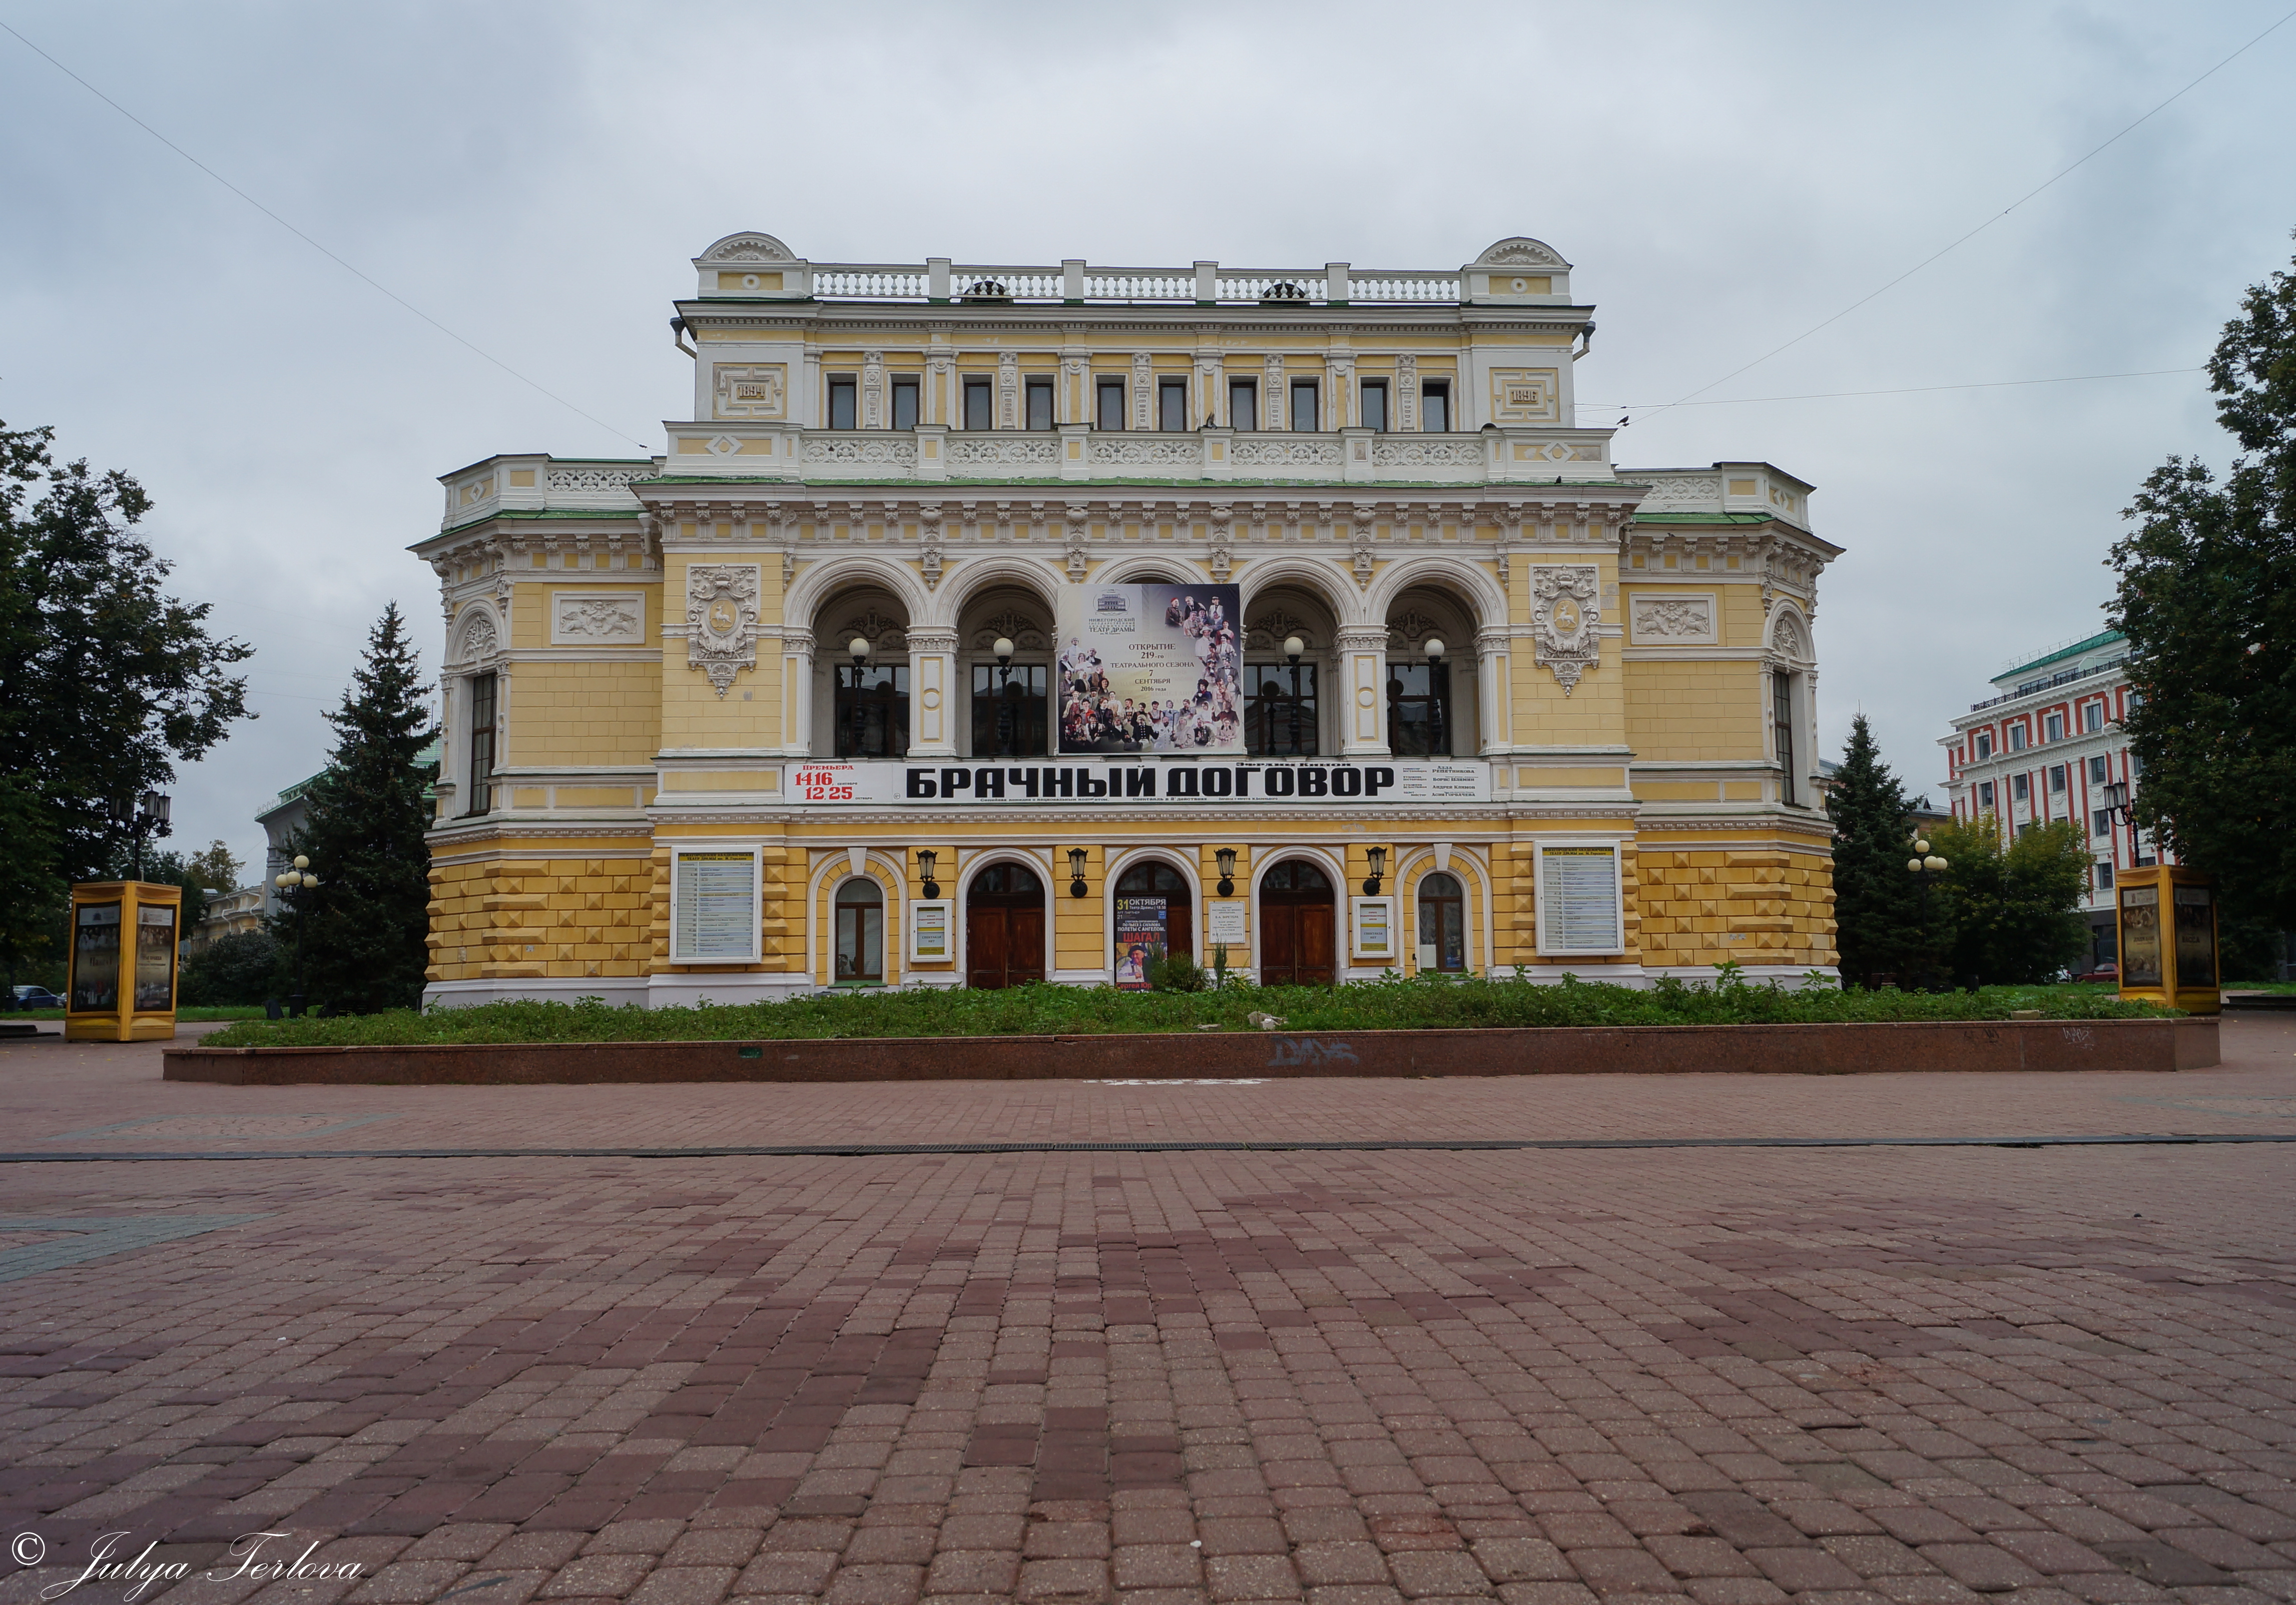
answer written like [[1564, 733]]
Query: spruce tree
[[361, 930], [1877, 910]]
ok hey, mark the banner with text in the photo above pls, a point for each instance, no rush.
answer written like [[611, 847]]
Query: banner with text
[[1151, 669], [1276, 783]]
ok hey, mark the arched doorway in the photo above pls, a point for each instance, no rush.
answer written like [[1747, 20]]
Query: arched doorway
[[1004, 927], [1154, 909], [1297, 925], [1442, 924]]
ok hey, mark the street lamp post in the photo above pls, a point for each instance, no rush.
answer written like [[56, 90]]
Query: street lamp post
[[140, 817], [1925, 864], [2119, 805], [295, 880], [1439, 742], [1293, 650], [858, 649], [1005, 717]]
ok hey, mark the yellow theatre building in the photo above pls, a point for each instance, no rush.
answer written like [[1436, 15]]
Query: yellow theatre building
[[986, 624]]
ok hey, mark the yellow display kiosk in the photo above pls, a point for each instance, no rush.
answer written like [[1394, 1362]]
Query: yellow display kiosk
[[2168, 921], [122, 987]]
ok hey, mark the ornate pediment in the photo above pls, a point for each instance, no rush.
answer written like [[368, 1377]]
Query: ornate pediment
[[1521, 251], [750, 247]]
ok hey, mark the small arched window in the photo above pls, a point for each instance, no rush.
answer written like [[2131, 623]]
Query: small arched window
[[860, 933], [1442, 924]]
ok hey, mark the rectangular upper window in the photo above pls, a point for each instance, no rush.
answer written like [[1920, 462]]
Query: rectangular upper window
[[905, 404], [1304, 419], [1109, 413], [2016, 739], [980, 404], [2021, 787], [844, 395], [2057, 778], [1984, 745], [1985, 796], [2100, 770], [1172, 406], [1435, 405], [2093, 718], [2053, 727], [1374, 405], [1242, 404], [1040, 404]]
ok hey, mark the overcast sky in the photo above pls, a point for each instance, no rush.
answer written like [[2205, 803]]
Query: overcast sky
[[536, 177]]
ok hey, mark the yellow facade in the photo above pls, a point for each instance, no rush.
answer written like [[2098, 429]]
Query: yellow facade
[[651, 664]]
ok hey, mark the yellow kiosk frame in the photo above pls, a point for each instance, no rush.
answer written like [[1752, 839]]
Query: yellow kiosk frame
[[2173, 962], [122, 988]]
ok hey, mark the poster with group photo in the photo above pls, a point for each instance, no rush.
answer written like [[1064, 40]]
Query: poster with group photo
[[1151, 669]]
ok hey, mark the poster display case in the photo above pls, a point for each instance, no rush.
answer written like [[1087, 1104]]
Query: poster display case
[[124, 939], [2167, 920]]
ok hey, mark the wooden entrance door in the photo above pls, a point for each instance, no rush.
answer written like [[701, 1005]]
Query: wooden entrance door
[[1297, 925], [1003, 927]]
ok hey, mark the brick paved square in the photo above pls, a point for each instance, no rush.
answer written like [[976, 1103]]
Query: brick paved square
[[1834, 1376]]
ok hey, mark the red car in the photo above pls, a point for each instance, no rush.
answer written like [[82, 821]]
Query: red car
[[2107, 973]]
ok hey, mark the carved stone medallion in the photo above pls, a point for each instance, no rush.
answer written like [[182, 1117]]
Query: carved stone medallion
[[721, 620], [1564, 616]]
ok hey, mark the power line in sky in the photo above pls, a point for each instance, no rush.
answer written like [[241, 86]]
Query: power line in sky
[[347, 267], [1651, 408], [1988, 222]]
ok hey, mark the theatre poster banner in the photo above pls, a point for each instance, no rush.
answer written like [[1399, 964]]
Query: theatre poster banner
[[1145, 782], [1151, 669]]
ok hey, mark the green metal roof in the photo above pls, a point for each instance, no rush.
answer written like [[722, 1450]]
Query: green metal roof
[[2102, 639]]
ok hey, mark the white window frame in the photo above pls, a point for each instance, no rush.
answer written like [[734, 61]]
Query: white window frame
[[1547, 948], [678, 853]]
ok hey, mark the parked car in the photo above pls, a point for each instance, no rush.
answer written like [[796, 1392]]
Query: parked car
[[2107, 973], [36, 997]]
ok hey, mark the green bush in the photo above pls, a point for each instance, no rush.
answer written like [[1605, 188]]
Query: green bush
[[1042, 1009], [239, 969], [1175, 972]]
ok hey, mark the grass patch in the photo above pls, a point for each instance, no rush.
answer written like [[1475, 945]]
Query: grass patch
[[1048, 1010]]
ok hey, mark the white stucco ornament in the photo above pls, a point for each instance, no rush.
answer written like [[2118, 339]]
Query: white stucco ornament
[[721, 620], [1563, 617]]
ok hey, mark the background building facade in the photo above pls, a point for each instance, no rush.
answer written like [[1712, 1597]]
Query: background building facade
[[2042, 748], [1499, 704]]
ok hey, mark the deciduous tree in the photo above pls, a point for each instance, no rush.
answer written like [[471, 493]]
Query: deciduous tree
[[2207, 600], [2016, 906], [106, 683]]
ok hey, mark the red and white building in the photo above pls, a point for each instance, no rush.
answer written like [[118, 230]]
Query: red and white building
[[2043, 747]]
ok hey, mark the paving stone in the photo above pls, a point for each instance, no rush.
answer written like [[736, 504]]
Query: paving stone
[[1852, 1377]]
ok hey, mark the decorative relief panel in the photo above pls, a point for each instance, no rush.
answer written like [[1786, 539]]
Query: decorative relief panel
[[977, 450], [757, 390], [597, 618], [1524, 396], [721, 620], [597, 479], [1151, 451], [1663, 620], [902, 453], [1702, 491], [1277, 453], [1427, 454], [1564, 616], [884, 633]]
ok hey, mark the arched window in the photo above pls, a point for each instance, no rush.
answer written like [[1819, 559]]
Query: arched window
[[1442, 924], [1154, 908], [860, 933]]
